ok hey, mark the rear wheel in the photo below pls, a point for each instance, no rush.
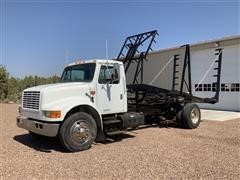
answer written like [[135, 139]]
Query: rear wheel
[[179, 119], [191, 116], [78, 132]]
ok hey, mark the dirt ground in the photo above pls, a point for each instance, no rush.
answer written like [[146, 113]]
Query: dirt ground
[[211, 151]]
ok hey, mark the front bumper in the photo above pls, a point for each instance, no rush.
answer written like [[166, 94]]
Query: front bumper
[[43, 128]]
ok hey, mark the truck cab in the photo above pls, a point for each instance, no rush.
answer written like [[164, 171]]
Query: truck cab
[[88, 91]]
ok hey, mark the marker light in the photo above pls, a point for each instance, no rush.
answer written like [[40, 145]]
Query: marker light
[[20, 110], [92, 92]]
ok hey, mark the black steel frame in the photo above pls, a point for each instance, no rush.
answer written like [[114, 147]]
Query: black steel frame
[[146, 97], [130, 52], [218, 69], [186, 64], [188, 83]]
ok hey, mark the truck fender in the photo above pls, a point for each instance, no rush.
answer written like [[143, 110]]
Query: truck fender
[[88, 109], [94, 113], [70, 105]]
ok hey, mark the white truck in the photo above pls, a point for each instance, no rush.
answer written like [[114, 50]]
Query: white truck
[[93, 101]]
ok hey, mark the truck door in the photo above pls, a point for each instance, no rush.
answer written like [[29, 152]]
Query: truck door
[[110, 90]]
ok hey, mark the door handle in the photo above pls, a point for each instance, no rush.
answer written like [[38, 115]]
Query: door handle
[[121, 96]]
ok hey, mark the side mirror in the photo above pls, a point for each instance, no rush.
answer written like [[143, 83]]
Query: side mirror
[[116, 72]]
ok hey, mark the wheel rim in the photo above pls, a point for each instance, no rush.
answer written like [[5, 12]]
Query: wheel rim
[[80, 132], [195, 114]]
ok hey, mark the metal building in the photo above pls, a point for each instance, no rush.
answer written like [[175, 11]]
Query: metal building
[[159, 70]]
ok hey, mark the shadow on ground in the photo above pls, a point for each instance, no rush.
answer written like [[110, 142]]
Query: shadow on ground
[[42, 144], [48, 144], [123, 136], [117, 138]]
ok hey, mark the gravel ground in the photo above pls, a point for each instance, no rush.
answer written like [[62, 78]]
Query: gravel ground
[[209, 152]]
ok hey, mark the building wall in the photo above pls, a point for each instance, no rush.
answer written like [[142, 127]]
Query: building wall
[[230, 78], [202, 56], [154, 64]]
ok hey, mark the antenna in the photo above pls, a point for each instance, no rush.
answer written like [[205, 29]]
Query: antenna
[[106, 49], [66, 57]]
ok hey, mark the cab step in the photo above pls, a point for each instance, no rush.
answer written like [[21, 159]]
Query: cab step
[[111, 133], [113, 121]]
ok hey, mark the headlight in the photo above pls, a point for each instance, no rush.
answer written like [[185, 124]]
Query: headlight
[[52, 114]]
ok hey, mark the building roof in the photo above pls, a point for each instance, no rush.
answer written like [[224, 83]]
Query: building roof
[[204, 42]]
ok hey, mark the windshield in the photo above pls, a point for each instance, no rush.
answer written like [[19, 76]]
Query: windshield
[[79, 73]]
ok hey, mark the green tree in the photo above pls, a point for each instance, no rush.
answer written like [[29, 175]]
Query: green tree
[[11, 88], [3, 82]]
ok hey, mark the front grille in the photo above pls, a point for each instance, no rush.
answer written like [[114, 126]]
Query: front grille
[[31, 99]]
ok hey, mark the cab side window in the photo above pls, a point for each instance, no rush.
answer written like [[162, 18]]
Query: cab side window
[[107, 75]]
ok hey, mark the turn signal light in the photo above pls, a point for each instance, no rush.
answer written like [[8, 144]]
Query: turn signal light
[[52, 114]]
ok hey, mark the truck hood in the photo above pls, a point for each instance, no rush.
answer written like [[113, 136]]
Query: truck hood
[[67, 85], [52, 96]]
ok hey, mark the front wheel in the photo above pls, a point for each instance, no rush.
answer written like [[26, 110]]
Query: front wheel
[[78, 132], [191, 116]]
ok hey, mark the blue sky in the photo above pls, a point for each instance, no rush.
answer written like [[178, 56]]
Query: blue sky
[[35, 35]]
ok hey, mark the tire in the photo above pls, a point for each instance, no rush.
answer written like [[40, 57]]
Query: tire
[[35, 135], [78, 132], [179, 119], [191, 116]]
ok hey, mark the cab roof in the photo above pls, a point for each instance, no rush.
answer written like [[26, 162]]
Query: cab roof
[[99, 61]]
